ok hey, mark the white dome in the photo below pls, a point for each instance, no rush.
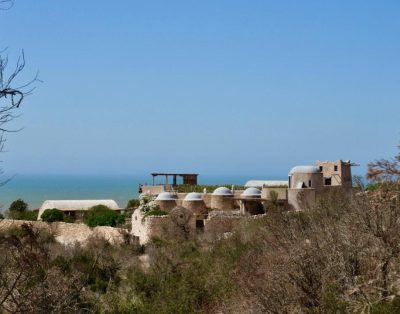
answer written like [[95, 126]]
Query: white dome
[[194, 196], [166, 196], [254, 192], [222, 191], [304, 169]]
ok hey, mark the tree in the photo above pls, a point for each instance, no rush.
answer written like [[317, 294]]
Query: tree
[[19, 210], [6, 4], [101, 215], [18, 206], [385, 169], [11, 93], [52, 215]]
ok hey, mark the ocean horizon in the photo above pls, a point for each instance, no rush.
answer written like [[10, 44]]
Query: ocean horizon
[[35, 189]]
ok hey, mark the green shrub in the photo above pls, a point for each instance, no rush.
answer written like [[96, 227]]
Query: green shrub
[[18, 210], [101, 215], [18, 206], [1, 216], [69, 219], [385, 307], [51, 215], [133, 203], [29, 215]]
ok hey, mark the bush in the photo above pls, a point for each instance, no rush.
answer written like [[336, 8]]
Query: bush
[[1, 216], [28, 215], [18, 206], [69, 219], [101, 215], [133, 203], [51, 215], [18, 210]]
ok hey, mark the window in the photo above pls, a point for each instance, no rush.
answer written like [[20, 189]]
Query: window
[[328, 181], [200, 225], [321, 168], [309, 183], [335, 168]]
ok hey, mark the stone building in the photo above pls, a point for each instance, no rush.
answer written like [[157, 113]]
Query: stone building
[[166, 201], [223, 208], [180, 221], [337, 173], [222, 199], [250, 202]]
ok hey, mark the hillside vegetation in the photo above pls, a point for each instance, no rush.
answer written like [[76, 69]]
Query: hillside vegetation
[[339, 256]]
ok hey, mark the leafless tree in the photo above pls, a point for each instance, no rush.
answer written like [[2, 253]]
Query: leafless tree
[[6, 4], [385, 169], [11, 93]]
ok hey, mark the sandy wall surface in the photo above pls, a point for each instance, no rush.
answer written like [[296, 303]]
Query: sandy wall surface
[[70, 233]]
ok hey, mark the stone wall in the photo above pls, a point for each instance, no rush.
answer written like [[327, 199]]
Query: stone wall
[[281, 192], [70, 233], [338, 171], [179, 219], [299, 199], [220, 222], [166, 205], [222, 202]]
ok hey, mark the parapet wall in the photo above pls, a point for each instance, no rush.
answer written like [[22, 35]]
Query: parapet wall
[[281, 193]]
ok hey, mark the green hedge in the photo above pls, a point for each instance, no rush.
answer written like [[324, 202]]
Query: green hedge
[[51, 215], [101, 215]]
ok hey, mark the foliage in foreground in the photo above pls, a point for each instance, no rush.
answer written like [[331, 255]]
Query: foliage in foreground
[[340, 256]]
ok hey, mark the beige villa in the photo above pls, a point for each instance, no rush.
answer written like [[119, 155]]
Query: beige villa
[[223, 205]]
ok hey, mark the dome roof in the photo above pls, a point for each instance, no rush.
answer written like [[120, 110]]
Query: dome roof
[[194, 196], [254, 192], [166, 196], [222, 191], [304, 169]]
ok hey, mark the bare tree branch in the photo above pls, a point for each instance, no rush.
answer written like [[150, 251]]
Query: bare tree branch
[[385, 169]]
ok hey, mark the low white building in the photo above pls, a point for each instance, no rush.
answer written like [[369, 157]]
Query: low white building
[[75, 205], [265, 183]]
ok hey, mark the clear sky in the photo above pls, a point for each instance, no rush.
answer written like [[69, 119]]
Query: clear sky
[[215, 87]]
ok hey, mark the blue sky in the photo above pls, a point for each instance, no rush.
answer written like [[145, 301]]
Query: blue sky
[[216, 87]]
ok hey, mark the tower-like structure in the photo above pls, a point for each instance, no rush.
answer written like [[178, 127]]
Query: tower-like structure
[[336, 173]]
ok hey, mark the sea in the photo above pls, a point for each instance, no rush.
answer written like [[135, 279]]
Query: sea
[[35, 189]]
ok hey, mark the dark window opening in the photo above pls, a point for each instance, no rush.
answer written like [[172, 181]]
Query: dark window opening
[[328, 181], [309, 183], [321, 168], [335, 168], [200, 225]]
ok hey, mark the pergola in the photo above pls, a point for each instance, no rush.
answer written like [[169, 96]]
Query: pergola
[[188, 178]]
